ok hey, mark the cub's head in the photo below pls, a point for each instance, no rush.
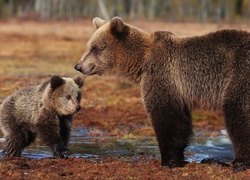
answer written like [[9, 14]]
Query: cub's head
[[64, 94], [111, 48]]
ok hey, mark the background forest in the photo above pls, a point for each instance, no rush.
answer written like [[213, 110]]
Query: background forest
[[169, 10]]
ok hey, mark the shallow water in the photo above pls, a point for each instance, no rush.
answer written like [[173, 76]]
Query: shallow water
[[84, 144], [218, 148]]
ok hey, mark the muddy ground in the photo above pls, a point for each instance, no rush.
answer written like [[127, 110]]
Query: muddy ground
[[32, 51]]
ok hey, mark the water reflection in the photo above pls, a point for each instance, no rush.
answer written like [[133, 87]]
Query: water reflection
[[83, 144]]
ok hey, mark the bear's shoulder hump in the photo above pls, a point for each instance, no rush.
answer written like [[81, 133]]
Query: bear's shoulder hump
[[162, 35]]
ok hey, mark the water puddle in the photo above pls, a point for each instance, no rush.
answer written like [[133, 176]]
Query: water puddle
[[202, 147], [84, 144]]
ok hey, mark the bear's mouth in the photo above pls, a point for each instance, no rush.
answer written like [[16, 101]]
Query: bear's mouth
[[89, 70]]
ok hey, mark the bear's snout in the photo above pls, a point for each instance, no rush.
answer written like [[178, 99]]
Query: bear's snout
[[78, 108], [78, 68]]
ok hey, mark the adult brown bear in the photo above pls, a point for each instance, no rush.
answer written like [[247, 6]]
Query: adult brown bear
[[176, 75]]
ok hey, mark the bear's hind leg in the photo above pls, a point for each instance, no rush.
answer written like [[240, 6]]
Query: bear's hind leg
[[17, 140], [237, 120]]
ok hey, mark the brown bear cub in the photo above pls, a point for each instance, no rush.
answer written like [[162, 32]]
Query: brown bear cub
[[177, 75], [44, 111]]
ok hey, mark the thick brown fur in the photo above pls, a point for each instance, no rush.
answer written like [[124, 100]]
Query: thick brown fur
[[176, 75], [45, 111]]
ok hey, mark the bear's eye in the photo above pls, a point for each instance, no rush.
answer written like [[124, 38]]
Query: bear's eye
[[94, 48], [98, 48], [68, 97]]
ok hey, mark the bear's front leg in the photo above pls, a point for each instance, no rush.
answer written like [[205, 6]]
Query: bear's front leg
[[172, 124], [50, 135]]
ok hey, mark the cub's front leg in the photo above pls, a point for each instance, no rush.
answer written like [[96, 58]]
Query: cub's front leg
[[50, 133]]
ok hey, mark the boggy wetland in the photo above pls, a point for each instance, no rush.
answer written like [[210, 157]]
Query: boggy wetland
[[112, 137]]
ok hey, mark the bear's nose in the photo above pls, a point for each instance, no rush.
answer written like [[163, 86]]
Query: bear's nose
[[78, 68], [78, 108]]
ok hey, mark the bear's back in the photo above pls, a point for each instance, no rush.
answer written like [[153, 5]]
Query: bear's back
[[202, 66], [216, 56]]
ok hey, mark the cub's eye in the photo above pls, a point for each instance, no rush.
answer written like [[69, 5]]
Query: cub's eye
[[68, 97], [78, 97]]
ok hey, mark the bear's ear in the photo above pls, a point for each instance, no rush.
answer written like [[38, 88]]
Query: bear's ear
[[98, 22], [56, 81], [118, 28], [79, 81]]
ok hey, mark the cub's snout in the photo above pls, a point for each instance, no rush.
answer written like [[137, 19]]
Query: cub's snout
[[78, 108]]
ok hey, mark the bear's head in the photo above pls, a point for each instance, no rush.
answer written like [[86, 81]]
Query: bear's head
[[115, 48], [64, 95]]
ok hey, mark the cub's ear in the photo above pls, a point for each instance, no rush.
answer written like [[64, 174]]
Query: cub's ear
[[56, 81], [79, 81], [118, 28], [98, 22]]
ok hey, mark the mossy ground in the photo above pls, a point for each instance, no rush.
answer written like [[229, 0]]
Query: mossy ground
[[31, 52]]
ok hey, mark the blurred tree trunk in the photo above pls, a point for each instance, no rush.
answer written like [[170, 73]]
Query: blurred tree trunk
[[136, 9], [69, 12], [132, 9], [11, 7], [182, 6], [204, 9], [221, 12], [54, 9], [151, 14], [103, 10], [238, 7], [248, 12], [140, 10], [169, 6], [40, 8], [127, 4]]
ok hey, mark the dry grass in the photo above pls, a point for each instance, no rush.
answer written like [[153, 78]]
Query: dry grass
[[31, 52]]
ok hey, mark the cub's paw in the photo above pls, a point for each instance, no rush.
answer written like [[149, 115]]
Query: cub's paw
[[174, 164], [60, 151]]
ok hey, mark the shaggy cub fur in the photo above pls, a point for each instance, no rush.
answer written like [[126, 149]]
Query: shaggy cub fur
[[45, 111]]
